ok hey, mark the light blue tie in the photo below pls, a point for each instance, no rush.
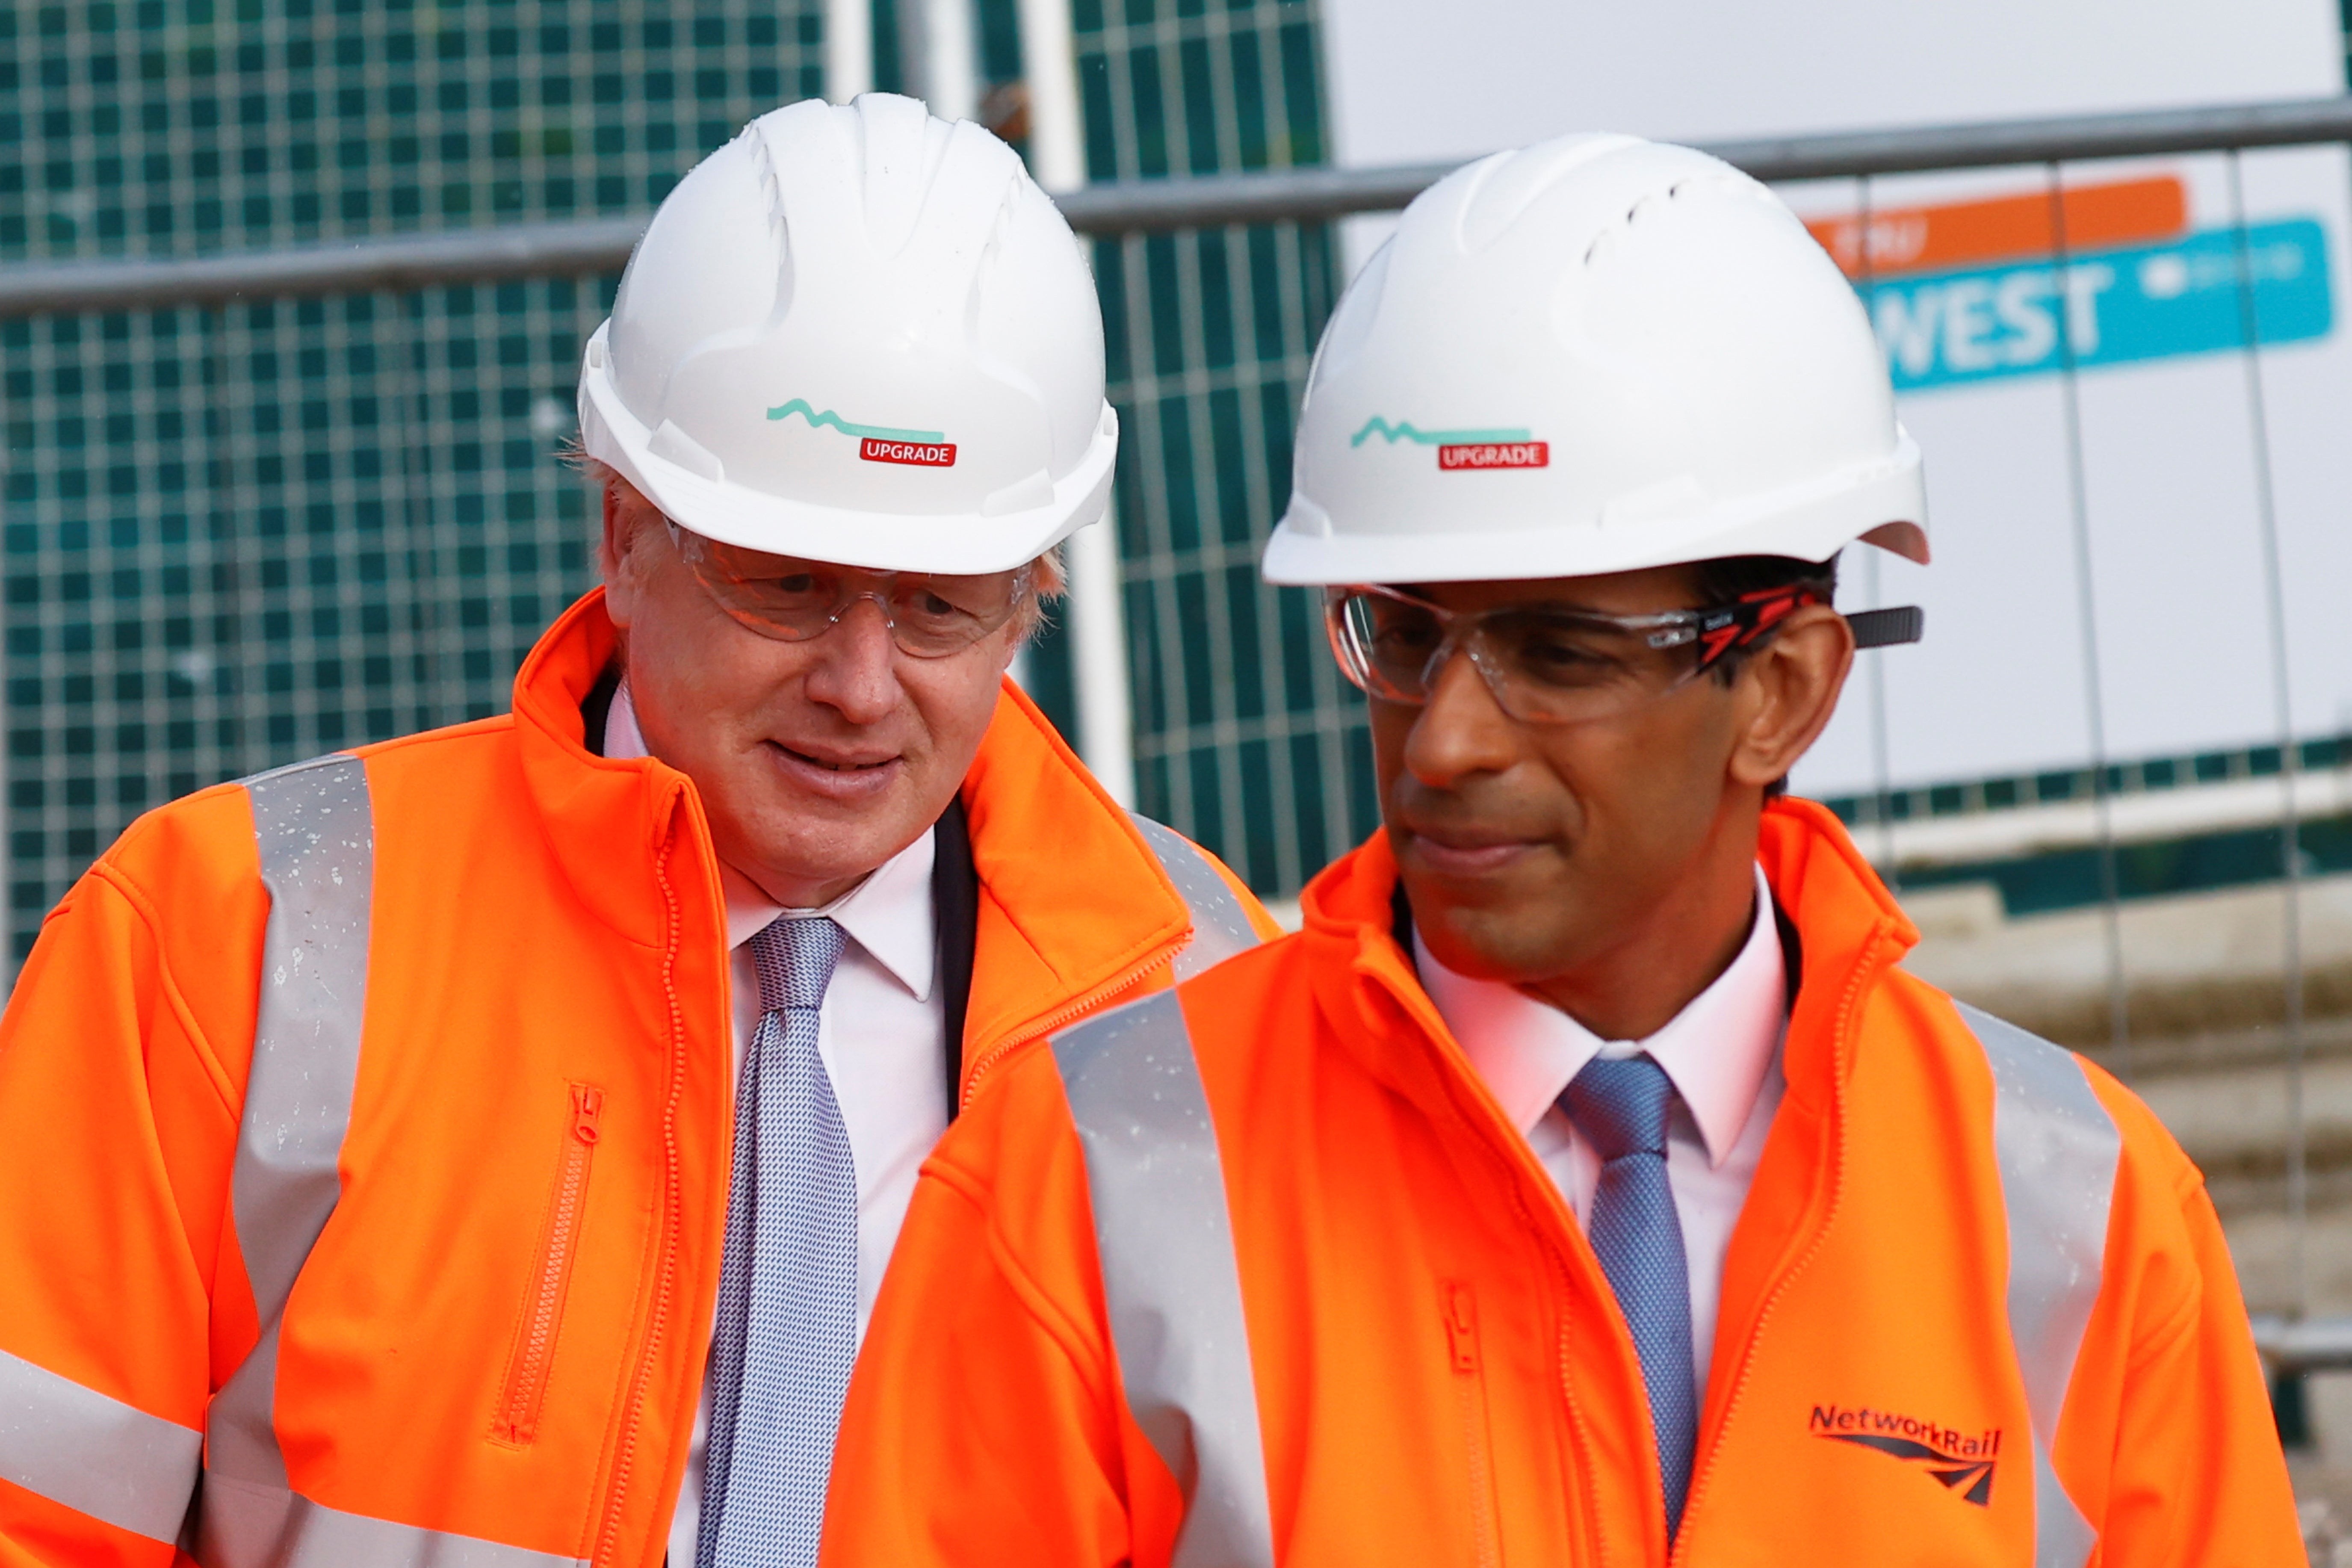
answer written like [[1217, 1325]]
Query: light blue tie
[[1620, 1108], [788, 1285]]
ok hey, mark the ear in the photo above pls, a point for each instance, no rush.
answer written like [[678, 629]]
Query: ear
[[620, 549], [1788, 689], [1008, 640]]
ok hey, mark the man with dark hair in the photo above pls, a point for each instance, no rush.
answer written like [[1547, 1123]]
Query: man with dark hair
[[1585, 1183]]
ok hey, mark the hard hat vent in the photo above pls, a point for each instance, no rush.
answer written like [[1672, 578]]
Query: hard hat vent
[[724, 221], [900, 149], [1504, 187], [770, 201]]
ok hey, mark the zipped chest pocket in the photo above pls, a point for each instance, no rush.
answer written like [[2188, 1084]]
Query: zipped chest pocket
[[1460, 1313], [524, 1389]]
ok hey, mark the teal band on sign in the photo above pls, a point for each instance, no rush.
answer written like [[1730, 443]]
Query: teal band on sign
[[1404, 431], [2196, 294], [865, 432]]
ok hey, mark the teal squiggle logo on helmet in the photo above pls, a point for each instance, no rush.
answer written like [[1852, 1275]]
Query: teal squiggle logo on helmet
[[1403, 431], [865, 432]]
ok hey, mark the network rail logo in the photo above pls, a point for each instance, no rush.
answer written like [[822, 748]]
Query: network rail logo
[[1962, 1461], [1462, 451], [877, 443]]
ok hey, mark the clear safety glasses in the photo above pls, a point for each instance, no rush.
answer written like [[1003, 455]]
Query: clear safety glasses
[[1557, 664], [929, 615]]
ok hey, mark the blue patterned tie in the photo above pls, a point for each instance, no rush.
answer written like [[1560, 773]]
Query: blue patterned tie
[[788, 1286], [1621, 1107]]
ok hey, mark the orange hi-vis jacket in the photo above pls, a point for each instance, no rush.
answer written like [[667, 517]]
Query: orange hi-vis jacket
[[1255, 1272], [365, 1135]]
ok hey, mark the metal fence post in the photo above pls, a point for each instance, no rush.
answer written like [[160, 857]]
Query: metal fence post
[[1097, 612], [2095, 711], [943, 55], [2298, 1180], [1882, 804], [848, 49]]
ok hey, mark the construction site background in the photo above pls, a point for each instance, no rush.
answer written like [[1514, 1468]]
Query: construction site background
[[292, 294]]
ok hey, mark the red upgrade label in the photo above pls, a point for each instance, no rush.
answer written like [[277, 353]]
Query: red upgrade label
[[1496, 455], [922, 454]]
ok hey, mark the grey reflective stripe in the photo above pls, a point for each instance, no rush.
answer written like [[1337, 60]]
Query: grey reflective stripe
[[244, 1525], [1166, 1243], [1220, 925], [93, 1454], [2057, 1149], [317, 839]]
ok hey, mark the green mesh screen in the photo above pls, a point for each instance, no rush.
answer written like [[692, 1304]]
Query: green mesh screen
[[237, 537], [1246, 737]]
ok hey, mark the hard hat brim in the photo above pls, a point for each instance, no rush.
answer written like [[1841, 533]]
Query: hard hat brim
[[957, 543], [1885, 502]]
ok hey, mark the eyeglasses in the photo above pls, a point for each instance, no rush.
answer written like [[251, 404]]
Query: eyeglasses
[[929, 615], [1546, 663]]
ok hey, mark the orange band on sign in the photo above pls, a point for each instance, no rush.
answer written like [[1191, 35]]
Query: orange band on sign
[[1913, 239]]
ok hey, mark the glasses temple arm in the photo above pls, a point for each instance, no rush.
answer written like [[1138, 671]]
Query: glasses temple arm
[[1885, 628]]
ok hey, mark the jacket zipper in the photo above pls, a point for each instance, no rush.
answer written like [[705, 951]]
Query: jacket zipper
[[981, 1065], [1864, 972], [672, 1242], [1470, 1381], [1563, 1276], [1070, 1014], [534, 1350]]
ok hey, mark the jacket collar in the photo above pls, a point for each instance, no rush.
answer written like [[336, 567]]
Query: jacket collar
[[1851, 930], [607, 820], [1848, 926], [1365, 983], [1073, 903]]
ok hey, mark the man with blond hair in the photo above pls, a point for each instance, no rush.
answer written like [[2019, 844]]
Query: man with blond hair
[[485, 1146]]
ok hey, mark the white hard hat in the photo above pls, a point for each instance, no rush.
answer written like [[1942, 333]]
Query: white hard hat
[[1596, 354], [860, 335]]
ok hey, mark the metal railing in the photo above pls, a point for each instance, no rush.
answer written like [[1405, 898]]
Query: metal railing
[[1125, 206], [2292, 1346]]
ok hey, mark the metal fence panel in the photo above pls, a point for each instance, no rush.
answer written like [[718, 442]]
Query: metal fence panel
[[1245, 735], [238, 535]]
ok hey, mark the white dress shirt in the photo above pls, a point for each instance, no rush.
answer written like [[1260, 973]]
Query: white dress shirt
[[882, 1033], [1723, 1053]]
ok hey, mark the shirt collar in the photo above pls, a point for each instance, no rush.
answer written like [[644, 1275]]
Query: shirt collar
[[1717, 1050], [888, 914]]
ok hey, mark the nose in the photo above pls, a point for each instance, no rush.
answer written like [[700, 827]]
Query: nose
[[855, 672], [1461, 730]]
